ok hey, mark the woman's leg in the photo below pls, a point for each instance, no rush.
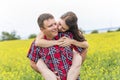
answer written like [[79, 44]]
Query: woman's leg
[[74, 71], [45, 72]]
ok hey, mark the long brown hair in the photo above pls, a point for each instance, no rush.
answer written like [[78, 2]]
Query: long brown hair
[[71, 21]]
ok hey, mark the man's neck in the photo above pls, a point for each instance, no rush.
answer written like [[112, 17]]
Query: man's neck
[[49, 37]]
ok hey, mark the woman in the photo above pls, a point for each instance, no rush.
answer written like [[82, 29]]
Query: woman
[[68, 23]]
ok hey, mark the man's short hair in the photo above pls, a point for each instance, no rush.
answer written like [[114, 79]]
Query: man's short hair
[[43, 17]]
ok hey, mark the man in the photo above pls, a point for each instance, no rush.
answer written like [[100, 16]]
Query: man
[[58, 59], [48, 26]]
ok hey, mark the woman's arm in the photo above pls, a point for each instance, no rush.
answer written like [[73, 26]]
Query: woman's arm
[[68, 41], [45, 71], [83, 44], [41, 42], [64, 41]]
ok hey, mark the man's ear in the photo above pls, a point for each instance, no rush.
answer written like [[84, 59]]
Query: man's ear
[[42, 29]]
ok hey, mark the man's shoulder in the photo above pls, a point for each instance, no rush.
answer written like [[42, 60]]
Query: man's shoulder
[[66, 34]]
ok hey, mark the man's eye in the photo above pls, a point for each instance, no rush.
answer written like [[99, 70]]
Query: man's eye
[[59, 24], [50, 26]]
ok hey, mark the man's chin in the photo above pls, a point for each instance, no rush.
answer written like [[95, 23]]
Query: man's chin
[[59, 31], [56, 34]]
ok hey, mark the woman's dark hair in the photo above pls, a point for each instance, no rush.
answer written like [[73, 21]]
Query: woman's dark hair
[[71, 21]]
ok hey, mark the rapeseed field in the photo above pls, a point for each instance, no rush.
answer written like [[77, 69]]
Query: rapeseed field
[[102, 61]]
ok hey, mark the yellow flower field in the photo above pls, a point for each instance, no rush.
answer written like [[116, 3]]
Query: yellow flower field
[[102, 62]]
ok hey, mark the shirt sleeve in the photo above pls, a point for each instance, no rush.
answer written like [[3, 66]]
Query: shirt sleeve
[[78, 49], [33, 53]]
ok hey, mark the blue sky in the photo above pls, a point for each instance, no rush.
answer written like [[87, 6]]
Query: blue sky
[[21, 15]]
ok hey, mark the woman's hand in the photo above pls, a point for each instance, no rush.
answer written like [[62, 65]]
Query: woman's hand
[[64, 41]]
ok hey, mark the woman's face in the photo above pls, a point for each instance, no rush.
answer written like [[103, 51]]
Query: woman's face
[[62, 27]]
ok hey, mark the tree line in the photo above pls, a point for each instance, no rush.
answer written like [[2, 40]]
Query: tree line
[[96, 31], [13, 36]]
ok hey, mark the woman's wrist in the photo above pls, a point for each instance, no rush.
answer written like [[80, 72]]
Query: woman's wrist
[[55, 42], [72, 41]]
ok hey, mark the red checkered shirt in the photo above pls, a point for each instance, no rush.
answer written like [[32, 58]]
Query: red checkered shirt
[[55, 57]]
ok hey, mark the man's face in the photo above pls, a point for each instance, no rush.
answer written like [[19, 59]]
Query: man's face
[[62, 27], [50, 28]]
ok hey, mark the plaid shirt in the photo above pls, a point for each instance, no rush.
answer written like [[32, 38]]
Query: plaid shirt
[[56, 58]]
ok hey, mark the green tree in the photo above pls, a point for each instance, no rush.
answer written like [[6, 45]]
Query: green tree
[[94, 31], [118, 29], [32, 36], [9, 36], [110, 31]]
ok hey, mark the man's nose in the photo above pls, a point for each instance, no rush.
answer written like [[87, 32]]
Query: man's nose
[[55, 26]]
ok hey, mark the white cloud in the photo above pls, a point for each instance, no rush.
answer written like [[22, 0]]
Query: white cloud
[[21, 15]]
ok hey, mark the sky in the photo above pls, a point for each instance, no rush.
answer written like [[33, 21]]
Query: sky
[[21, 15]]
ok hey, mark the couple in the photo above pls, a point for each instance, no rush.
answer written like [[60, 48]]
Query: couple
[[60, 49]]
